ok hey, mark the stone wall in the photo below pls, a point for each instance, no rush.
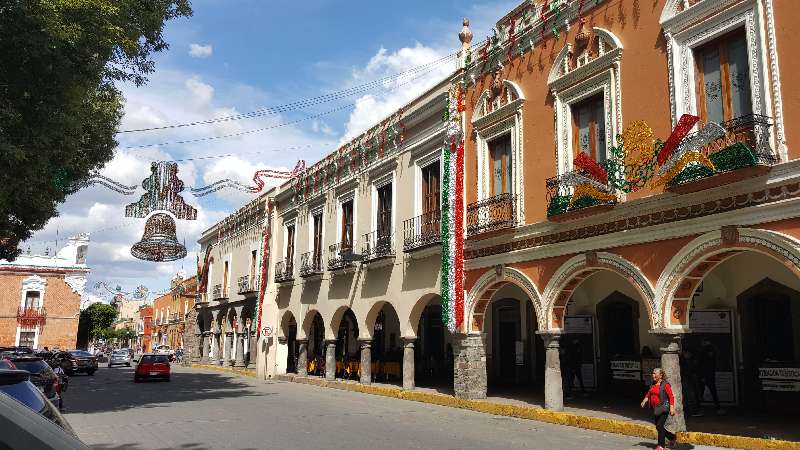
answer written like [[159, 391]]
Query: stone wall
[[469, 377]]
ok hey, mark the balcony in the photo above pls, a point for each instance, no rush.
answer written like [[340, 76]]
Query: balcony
[[741, 150], [174, 318], [245, 286], [340, 256], [31, 316], [218, 293], [422, 231], [492, 214], [284, 271], [566, 201], [377, 245], [311, 264]]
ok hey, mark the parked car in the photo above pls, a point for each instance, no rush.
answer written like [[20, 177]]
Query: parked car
[[29, 420], [152, 366], [42, 376], [120, 357], [17, 350], [75, 361], [163, 350]]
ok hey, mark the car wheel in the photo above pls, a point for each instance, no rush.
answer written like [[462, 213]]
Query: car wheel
[[109, 366]]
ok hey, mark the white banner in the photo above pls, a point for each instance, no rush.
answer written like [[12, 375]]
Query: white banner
[[578, 325], [779, 373], [710, 321]]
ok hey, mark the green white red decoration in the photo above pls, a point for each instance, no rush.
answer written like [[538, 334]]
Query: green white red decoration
[[452, 220]]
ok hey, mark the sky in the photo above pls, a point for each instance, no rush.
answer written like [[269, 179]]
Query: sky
[[238, 56]]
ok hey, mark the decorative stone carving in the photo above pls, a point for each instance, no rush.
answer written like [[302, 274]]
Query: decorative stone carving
[[465, 36], [76, 282], [730, 235]]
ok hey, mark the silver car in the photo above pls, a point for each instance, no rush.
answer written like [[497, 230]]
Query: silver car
[[120, 357]]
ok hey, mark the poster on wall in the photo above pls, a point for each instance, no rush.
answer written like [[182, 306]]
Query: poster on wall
[[781, 379], [626, 370], [578, 342], [710, 345]]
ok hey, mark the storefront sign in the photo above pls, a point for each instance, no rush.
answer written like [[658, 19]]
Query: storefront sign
[[709, 321], [626, 370], [781, 379], [578, 325]]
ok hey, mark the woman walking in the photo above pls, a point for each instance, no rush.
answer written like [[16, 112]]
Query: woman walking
[[660, 398]]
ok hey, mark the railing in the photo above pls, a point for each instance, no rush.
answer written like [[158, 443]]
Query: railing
[[311, 264], [377, 245], [493, 213], [245, 285], [338, 255], [219, 293], [752, 130], [422, 231], [31, 316], [284, 271]]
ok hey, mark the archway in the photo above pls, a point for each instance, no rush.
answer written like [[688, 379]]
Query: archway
[[433, 346], [386, 347], [314, 330], [288, 332], [348, 351]]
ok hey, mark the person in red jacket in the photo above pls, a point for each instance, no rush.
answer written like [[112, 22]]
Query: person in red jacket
[[660, 398]]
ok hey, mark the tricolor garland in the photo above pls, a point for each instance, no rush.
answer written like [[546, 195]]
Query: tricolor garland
[[452, 220], [263, 263]]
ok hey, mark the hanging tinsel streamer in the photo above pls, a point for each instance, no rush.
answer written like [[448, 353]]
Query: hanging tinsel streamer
[[585, 162], [257, 179], [554, 6], [163, 188], [512, 39], [543, 19], [97, 179], [685, 124]]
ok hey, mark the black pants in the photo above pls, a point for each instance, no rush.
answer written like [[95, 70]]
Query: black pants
[[710, 380], [663, 434]]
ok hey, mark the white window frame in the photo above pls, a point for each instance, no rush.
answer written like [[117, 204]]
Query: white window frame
[[378, 183], [286, 224], [600, 75], [318, 210], [344, 198], [33, 283], [705, 21]]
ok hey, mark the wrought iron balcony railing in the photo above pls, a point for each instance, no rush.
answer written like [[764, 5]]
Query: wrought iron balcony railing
[[378, 245], [31, 316], [284, 271], [218, 293], [561, 197], [311, 264], [339, 255], [422, 231], [245, 285], [493, 213]]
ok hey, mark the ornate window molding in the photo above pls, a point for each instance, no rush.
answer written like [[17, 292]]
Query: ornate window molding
[[498, 112], [33, 283], [579, 73], [689, 24]]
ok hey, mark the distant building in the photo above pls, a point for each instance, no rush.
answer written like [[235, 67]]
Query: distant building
[[144, 328], [40, 296], [170, 311]]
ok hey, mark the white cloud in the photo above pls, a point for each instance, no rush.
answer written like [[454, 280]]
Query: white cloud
[[201, 92], [200, 51], [319, 126]]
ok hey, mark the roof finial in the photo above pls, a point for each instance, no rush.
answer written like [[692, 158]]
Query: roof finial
[[465, 36]]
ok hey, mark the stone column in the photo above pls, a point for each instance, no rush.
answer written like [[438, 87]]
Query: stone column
[[671, 364], [197, 350], [366, 360], [302, 357], [330, 360], [553, 383], [239, 361], [469, 366], [205, 348], [408, 363], [227, 347]]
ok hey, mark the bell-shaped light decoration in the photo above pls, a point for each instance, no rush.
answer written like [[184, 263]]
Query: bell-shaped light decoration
[[159, 242]]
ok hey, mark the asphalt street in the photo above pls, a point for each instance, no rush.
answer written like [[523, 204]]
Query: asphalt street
[[201, 409]]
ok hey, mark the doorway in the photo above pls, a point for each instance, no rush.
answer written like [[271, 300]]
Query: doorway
[[508, 362], [618, 336]]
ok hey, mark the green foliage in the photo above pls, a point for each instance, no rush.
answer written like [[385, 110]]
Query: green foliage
[[59, 106], [97, 319]]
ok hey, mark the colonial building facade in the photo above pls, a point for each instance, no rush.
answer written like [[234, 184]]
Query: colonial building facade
[[170, 312], [40, 297]]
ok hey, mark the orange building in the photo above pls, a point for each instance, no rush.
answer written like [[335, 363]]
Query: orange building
[[631, 190], [170, 310], [144, 328], [40, 297]]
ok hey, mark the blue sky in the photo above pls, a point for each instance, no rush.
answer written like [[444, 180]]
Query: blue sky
[[236, 56]]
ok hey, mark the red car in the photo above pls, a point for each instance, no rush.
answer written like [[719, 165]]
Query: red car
[[152, 366]]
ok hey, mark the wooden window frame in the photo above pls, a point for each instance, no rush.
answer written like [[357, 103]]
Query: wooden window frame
[[317, 243], [383, 224], [722, 44], [431, 199], [348, 208], [505, 162], [590, 103], [290, 235]]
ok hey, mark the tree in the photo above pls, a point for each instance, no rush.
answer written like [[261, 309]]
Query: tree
[[59, 105], [94, 321]]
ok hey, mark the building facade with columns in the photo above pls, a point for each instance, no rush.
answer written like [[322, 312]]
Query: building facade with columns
[[632, 191], [356, 256], [223, 320], [40, 297], [170, 312]]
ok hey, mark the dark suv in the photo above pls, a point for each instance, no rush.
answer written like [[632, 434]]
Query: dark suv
[[42, 376]]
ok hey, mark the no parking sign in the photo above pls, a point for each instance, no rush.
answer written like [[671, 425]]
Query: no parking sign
[[266, 331]]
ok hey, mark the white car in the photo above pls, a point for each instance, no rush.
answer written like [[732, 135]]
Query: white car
[[120, 357], [163, 349]]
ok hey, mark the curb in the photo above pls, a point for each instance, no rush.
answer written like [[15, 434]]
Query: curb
[[244, 372], [544, 415]]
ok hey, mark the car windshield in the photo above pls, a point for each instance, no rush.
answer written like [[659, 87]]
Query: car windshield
[[154, 359], [120, 352], [81, 354]]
